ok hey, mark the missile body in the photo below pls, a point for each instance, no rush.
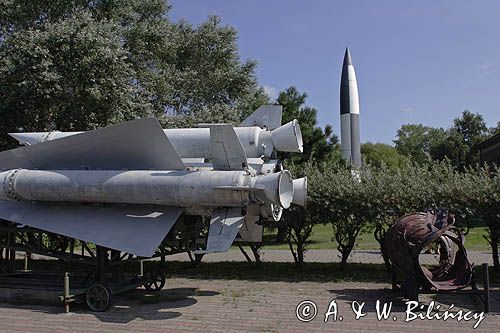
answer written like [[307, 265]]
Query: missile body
[[195, 142], [349, 113], [179, 188], [125, 186]]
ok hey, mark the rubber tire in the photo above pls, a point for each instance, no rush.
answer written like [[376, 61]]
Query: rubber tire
[[152, 276], [103, 292]]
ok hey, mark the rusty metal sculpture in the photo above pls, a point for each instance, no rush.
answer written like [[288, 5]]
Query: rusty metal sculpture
[[410, 236]]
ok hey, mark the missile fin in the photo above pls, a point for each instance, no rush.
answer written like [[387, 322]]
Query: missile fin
[[27, 139], [268, 116], [134, 229], [135, 145], [251, 231], [224, 226], [226, 148]]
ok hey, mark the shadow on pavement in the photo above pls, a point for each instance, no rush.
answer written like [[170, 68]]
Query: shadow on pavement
[[136, 304]]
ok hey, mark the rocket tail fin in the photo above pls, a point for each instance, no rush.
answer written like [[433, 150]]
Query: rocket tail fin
[[251, 231], [134, 145], [226, 148], [268, 116], [134, 229], [224, 226]]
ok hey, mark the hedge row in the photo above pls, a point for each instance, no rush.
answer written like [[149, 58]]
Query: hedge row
[[374, 197]]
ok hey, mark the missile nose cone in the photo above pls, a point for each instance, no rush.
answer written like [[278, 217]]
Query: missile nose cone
[[347, 57]]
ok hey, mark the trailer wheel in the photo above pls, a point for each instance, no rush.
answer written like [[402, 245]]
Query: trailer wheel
[[155, 280], [98, 297]]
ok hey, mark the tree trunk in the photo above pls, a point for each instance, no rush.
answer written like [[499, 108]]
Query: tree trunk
[[256, 251], [295, 259], [494, 240], [494, 250], [379, 235], [343, 261], [281, 234], [247, 257], [300, 252]]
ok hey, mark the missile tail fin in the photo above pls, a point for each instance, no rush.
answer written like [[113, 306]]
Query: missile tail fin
[[251, 231], [268, 116], [224, 226], [134, 229], [135, 145], [226, 148], [27, 139]]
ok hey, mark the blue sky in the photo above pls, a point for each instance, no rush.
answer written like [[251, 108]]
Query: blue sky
[[416, 61]]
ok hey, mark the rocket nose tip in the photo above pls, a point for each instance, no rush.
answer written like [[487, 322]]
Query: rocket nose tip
[[347, 57]]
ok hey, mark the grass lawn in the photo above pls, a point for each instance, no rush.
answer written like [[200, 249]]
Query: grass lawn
[[322, 235]]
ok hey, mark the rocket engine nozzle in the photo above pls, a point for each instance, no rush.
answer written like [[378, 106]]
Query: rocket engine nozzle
[[300, 191], [271, 212], [275, 188], [288, 138]]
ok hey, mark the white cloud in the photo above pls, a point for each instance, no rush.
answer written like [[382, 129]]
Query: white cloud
[[271, 91], [407, 110]]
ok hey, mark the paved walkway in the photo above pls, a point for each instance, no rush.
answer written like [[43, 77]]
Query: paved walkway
[[187, 305], [358, 256]]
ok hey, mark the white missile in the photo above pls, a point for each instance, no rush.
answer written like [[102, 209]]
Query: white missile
[[126, 192], [195, 142], [349, 113], [180, 188]]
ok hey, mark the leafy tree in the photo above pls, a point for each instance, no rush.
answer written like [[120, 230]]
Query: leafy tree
[[378, 154], [483, 198], [68, 75], [417, 141], [320, 151], [495, 130], [319, 144], [349, 206], [460, 144], [77, 65], [471, 127]]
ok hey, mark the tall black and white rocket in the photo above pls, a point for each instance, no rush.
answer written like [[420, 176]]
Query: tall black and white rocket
[[349, 113]]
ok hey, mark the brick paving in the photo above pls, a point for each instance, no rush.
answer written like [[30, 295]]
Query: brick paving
[[187, 305]]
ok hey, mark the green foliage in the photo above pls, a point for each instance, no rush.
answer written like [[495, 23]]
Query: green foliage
[[458, 143], [418, 141], [78, 65], [495, 130], [378, 154], [319, 144], [373, 198], [483, 197], [298, 221]]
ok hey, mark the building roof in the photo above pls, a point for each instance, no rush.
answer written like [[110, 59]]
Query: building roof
[[489, 142]]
